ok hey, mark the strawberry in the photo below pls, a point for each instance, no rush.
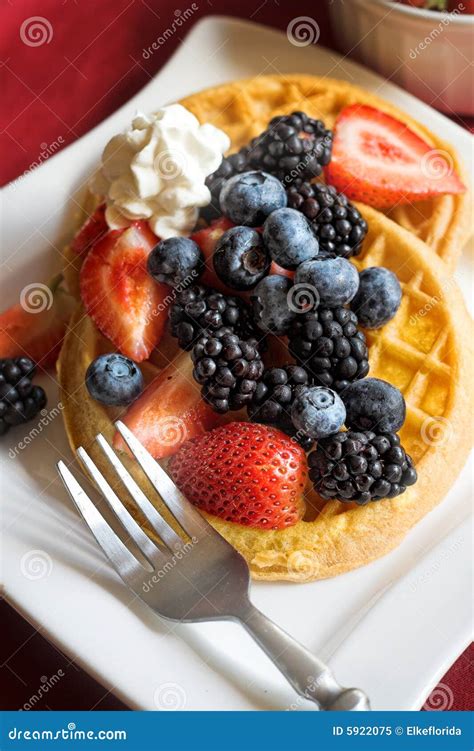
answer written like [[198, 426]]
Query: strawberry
[[35, 327], [414, 3], [170, 411], [124, 302], [244, 472], [207, 240], [466, 7], [380, 161], [276, 269], [94, 229]]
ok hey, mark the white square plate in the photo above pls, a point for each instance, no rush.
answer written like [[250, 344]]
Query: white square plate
[[392, 627]]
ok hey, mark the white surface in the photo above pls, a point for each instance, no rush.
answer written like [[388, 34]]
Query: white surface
[[429, 53], [392, 627]]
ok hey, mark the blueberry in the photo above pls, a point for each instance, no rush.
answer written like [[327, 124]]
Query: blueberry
[[114, 380], [335, 279], [175, 260], [373, 404], [318, 412], [289, 238], [378, 298], [240, 258], [270, 304], [250, 197]]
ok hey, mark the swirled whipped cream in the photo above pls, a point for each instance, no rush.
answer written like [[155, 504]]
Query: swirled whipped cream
[[156, 170]]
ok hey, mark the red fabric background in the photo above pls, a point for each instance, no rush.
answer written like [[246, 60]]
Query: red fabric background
[[55, 92]]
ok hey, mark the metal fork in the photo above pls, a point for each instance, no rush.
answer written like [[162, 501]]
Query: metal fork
[[202, 578]]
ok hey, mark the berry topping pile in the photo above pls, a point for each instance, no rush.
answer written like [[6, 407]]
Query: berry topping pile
[[20, 400], [272, 273]]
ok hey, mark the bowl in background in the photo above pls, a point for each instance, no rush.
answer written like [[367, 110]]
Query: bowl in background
[[426, 52]]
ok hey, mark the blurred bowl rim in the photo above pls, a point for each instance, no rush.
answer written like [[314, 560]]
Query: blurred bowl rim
[[422, 14]]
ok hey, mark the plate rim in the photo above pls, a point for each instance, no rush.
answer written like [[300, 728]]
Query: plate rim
[[195, 30]]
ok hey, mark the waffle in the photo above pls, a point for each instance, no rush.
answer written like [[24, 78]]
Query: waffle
[[425, 350], [244, 108]]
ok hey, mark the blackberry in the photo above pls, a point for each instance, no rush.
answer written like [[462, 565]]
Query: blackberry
[[292, 147], [361, 467], [198, 309], [339, 227], [20, 400], [227, 367], [274, 396], [230, 166], [327, 342]]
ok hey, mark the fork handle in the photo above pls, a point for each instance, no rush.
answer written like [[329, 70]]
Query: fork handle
[[310, 677]]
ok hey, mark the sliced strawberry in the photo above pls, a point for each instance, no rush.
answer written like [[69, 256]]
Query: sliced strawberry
[[466, 7], [414, 3], [36, 326], [170, 411], [380, 161], [244, 472], [125, 303], [276, 269], [93, 230], [207, 239]]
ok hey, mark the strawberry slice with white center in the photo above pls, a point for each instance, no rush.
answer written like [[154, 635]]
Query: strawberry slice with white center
[[207, 240], [93, 230], [35, 328], [377, 159], [170, 411], [124, 302]]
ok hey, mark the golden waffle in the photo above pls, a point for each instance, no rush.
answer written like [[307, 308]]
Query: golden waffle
[[243, 109], [425, 350]]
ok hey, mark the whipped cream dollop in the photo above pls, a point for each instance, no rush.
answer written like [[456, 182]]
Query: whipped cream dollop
[[156, 170]]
